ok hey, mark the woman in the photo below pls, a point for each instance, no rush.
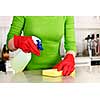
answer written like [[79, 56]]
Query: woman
[[50, 30]]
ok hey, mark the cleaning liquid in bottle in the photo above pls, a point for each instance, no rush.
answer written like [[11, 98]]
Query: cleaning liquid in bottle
[[20, 61]]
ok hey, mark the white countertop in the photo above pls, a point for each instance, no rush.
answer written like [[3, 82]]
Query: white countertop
[[83, 74]]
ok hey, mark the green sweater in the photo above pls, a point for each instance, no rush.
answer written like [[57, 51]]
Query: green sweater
[[50, 30]]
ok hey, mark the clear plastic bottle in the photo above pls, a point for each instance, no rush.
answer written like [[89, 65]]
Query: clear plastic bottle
[[20, 61]]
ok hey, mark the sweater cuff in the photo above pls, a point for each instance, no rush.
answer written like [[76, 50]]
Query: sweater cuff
[[71, 52]]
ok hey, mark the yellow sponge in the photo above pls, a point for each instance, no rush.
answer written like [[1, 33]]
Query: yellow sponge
[[55, 73], [73, 74]]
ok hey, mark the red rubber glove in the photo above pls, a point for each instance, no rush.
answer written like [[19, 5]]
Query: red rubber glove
[[26, 44], [66, 65]]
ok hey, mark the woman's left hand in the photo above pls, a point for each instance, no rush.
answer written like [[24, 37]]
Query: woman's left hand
[[66, 65]]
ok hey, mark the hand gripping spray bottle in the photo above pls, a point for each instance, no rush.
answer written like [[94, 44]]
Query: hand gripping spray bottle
[[20, 61]]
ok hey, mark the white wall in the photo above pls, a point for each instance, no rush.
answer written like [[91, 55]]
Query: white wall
[[5, 22], [87, 22], [85, 25]]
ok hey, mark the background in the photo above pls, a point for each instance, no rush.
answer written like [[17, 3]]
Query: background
[[38, 91]]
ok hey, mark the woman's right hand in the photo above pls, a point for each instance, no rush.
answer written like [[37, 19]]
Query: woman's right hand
[[26, 44]]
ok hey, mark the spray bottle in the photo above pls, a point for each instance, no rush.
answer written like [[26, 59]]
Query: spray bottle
[[20, 61]]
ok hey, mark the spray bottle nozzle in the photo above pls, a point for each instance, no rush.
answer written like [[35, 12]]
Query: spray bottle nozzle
[[39, 45]]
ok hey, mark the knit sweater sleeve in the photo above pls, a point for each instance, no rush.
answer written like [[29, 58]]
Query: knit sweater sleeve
[[69, 34], [16, 27]]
